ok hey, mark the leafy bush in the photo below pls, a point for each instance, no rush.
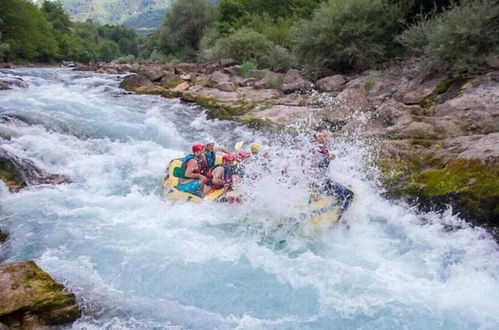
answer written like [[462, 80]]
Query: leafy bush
[[460, 39], [246, 67], [348, 34], [184, 25], [248, 45], [125, 59]]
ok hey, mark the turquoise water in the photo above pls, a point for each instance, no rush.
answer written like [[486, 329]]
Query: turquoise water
[[136, 261]]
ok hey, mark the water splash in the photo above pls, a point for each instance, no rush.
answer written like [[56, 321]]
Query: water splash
[[136, 261]]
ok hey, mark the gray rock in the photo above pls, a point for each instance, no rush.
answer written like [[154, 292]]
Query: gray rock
[[217, 78], [227, 86], [293, 81], [185, 68], [331, 83], [7, 82], [225, 62]]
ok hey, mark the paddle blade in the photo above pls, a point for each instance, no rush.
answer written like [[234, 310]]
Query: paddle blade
[[238, 145]]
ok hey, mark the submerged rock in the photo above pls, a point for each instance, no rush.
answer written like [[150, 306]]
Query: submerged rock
[[18, 173], [30, 298], [7, 82]]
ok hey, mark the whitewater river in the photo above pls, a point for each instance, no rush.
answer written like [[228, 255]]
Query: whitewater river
[[136, 261]]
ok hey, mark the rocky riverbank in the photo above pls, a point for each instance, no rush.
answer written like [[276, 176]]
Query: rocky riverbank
[[439, 135]]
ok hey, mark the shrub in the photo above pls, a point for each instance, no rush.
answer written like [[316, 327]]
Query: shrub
[[459, 39], [125, 59], [347, 34], [246, 67]]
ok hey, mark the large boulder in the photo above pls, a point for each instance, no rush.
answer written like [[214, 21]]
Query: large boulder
[[134, 81], [353, 99], [331, 83], [31, 299], [293, 81]]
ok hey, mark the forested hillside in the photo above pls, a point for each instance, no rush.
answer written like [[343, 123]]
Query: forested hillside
[[46, 34], [141, 15]]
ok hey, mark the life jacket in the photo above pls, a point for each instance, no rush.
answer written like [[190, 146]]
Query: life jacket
[[227, 177], [186, 160], [321, 158], [210, 159]]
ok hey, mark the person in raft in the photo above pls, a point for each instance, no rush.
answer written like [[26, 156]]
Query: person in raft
[[321, 158], [210, 154], [192, 180], [221, 176]]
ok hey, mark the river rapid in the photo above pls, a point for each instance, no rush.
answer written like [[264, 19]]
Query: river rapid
[[137, 261]]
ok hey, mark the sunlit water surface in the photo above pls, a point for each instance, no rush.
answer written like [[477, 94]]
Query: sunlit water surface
[[136, 261]]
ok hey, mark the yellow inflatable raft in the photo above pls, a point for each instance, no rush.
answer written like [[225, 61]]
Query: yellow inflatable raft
[[171, 192], [322, 212]]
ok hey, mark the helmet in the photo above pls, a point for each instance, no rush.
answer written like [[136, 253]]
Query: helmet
[[255, 147], [228, 158], [197, 148], [241, 155], [209, 141]]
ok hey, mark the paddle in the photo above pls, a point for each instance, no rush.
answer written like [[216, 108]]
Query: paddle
[[238, 145]]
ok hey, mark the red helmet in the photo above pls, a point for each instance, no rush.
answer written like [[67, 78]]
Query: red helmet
[[197, 148], [229, 158], [242, 155]]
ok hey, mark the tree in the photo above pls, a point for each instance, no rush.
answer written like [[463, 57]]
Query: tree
[[27, 31], [184, 26]]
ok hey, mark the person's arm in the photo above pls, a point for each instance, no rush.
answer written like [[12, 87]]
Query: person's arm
[[218, 176], [221, 149], [192, 166]]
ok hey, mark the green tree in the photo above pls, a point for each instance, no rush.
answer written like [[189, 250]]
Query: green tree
[[184, 26], [27, 31], [108, 50]]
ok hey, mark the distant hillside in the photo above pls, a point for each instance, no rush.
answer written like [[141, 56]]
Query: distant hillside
[[142, 15]]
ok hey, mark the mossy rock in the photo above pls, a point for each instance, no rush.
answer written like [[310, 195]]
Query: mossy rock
[[28, 290], [171, 82], [10, 175]]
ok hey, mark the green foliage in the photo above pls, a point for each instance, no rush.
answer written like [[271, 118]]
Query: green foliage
[[27, 31], [246, 67], [347, 34], [248, 45], [370, 81], [184, 26], [460, 38], [235, 14]]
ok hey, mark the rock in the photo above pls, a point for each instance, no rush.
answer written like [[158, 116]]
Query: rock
[[416, 96], [7, 82], [353, 99], [244, 82], [135, 81], [3, 327], [181, 87], [476, 108], [419, 130], [271, 80], [293, 81], [227, 86], [217, 78], [186, 76], [284, 114], [30, 297], [3, 237], [258, 96], [154, 72], [331, 83], [170, 81], [151, 89], [185, 68], [233, 70], [484, 148], [18, 173]]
